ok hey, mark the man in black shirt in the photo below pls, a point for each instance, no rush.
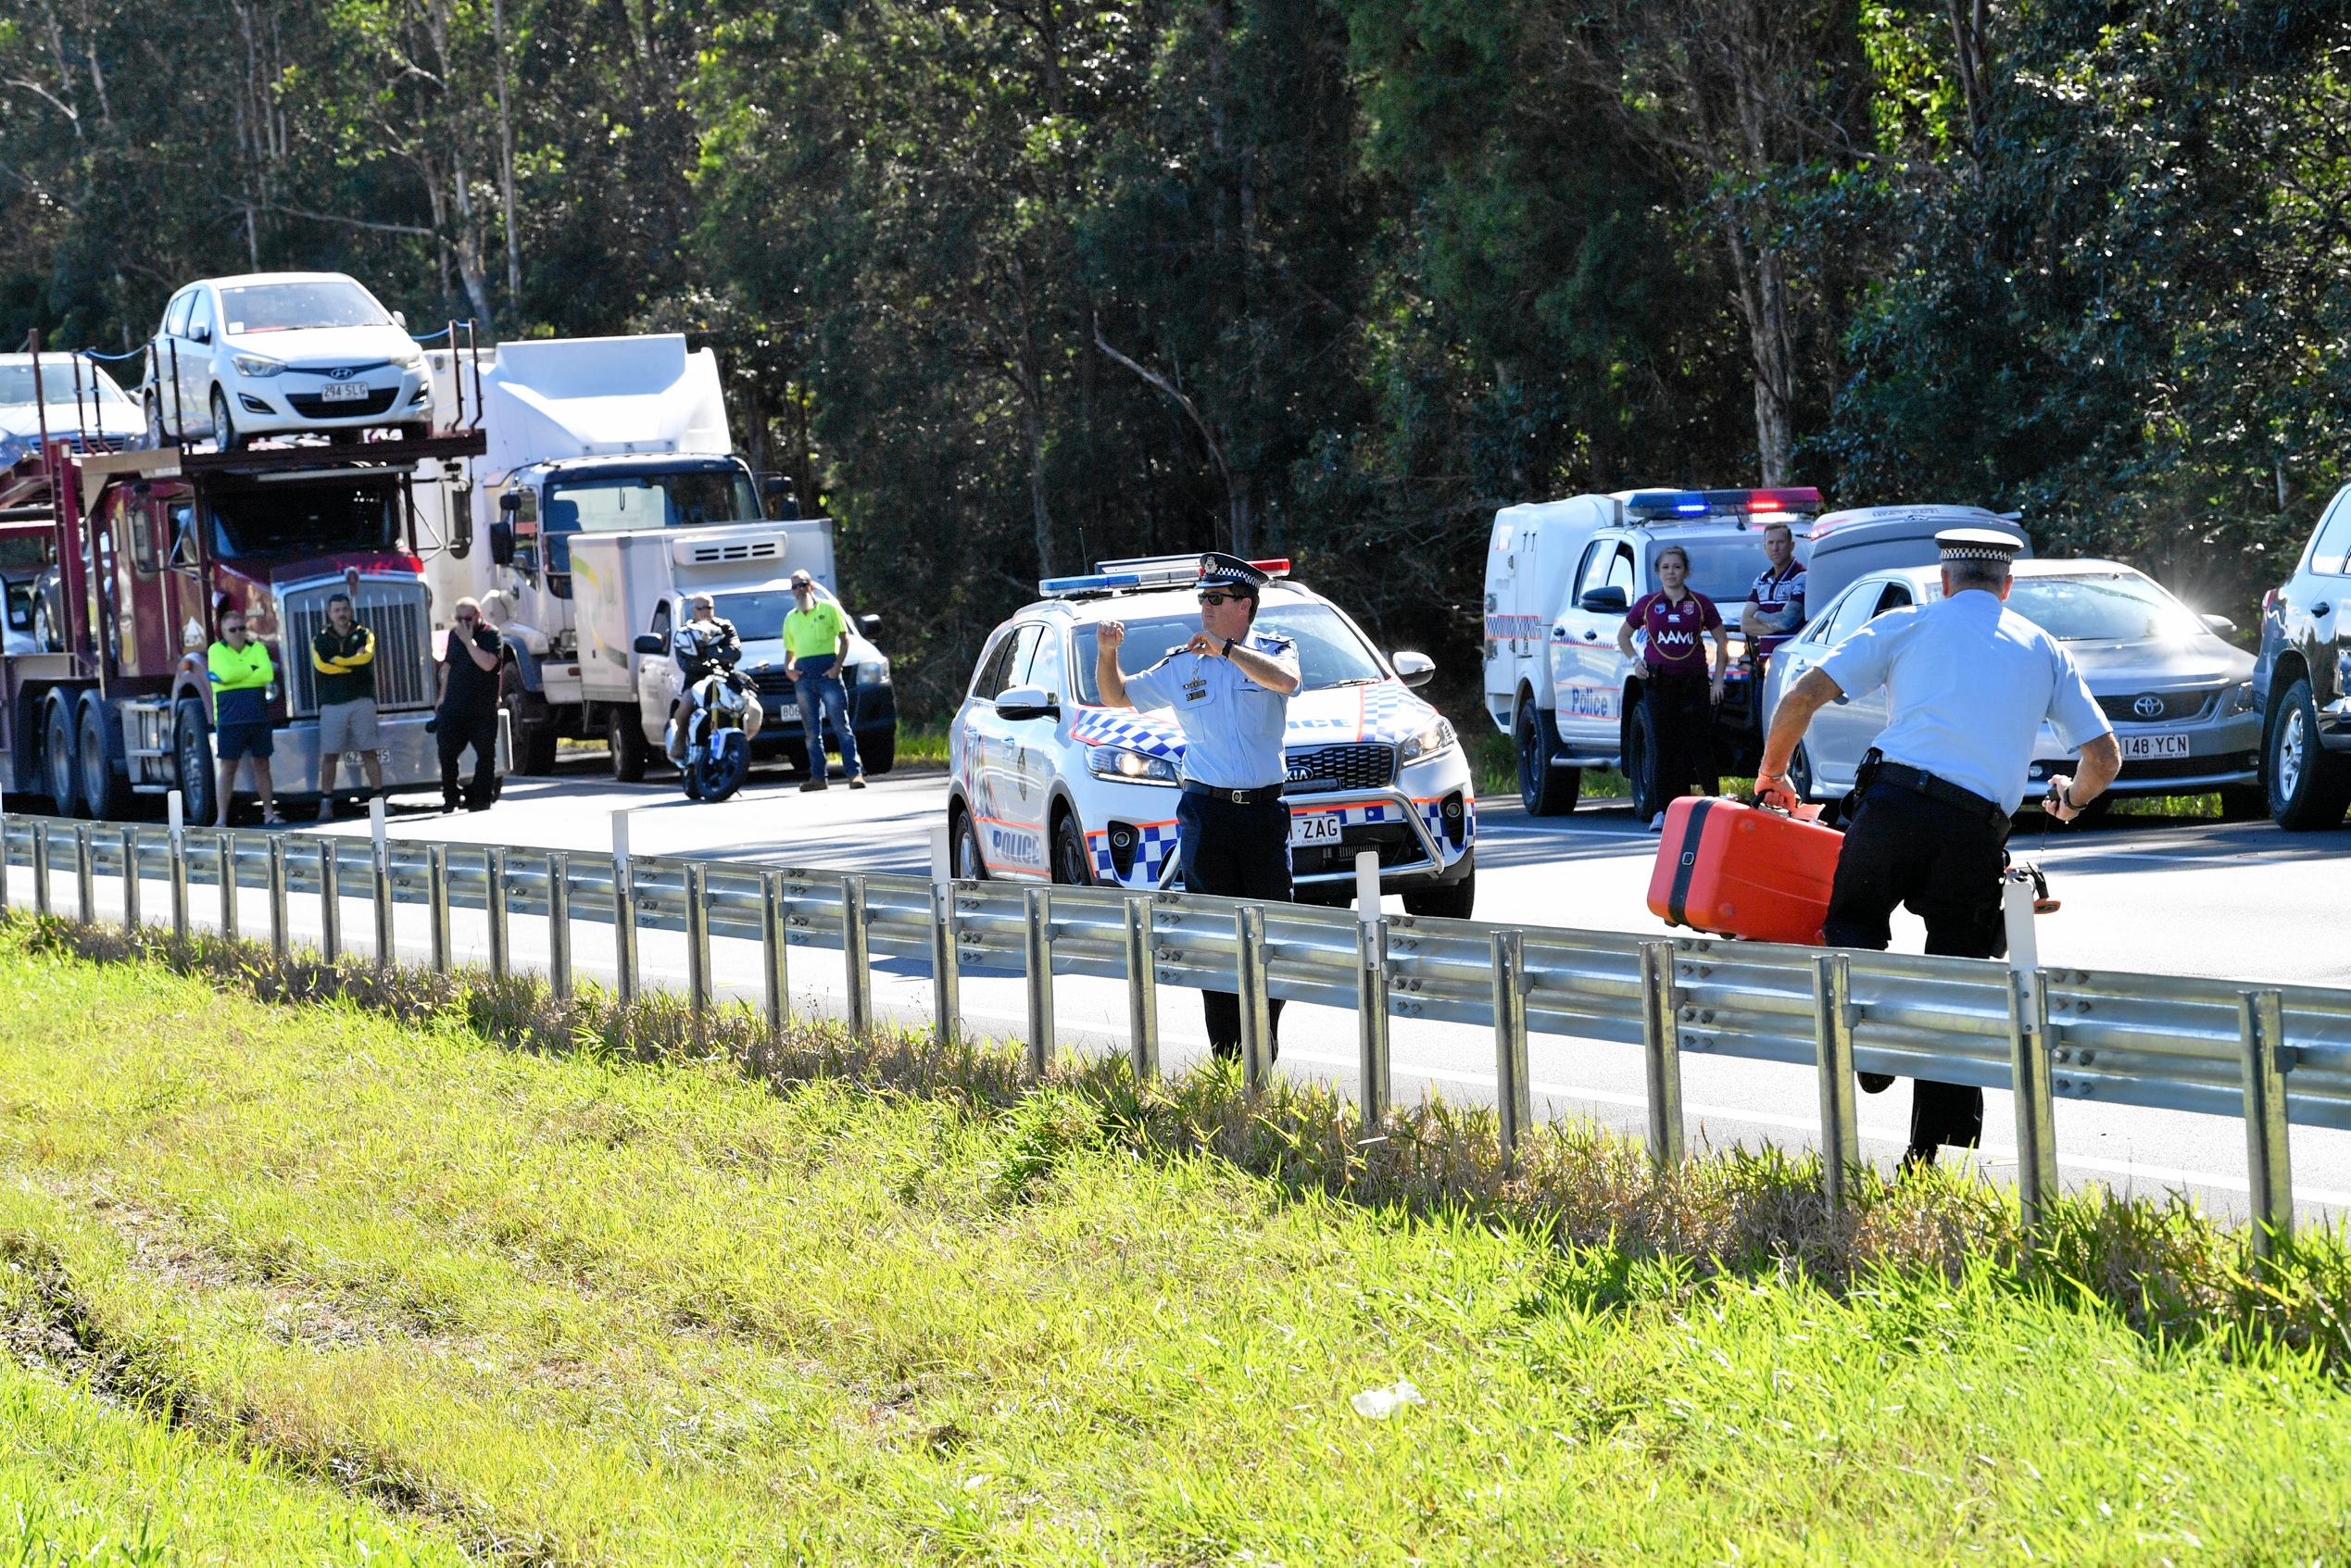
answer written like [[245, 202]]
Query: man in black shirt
[[342, 669], [468, 714]]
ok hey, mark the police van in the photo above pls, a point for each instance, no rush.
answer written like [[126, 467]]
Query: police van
[[1049, 786]]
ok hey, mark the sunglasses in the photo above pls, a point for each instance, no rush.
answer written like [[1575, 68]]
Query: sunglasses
[[1218, 596], [466, 620]]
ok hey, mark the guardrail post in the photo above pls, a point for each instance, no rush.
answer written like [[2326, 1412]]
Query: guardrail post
[[1256, 1025], [775, 961], [1374, 1067], [698, 943], [1661, 1053], [946, 966], [493, 900], [1832, 1062], [1143, 989], [5, 890], [1038, 945], [131, 918], [329, 902], [2269, 1163], [380, 873], [177, 874], [85, 875], [559, 925], [436, 903], [859, 973], [2034, 1095], [40, 869], [1514, 1097], [224, 859], [277, 896], [623, 912]]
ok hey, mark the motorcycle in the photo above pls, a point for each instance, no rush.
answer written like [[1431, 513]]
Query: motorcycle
[[718, 750]]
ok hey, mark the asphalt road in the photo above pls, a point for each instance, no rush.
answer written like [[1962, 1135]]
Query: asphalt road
[[2240, 900]]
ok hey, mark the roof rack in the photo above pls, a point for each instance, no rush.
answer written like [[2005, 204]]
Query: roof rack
[[1138, 573], [1689, 506]]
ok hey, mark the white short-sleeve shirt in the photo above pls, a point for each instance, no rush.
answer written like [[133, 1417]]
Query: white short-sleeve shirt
[[1967, 683], [1232, 727]]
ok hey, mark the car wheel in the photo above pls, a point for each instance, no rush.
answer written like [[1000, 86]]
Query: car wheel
[[2308, 789], [152, 406], [1800, 779], [193, 758], [878, 755], [1544, 790], [626, 740], [417, 430], [1640, 746], [969, 864], [1451, 902], [104, 792], [1073, 865], [58, 761], [224, 427]]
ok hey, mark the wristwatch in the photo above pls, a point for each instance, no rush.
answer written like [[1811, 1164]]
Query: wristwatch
[[1228, 647]]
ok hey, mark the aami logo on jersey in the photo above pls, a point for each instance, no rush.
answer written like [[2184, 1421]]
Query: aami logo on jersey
[[1674, 637]]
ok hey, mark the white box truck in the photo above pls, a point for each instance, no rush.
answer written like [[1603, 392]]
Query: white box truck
[[630, 590], [582, 436]]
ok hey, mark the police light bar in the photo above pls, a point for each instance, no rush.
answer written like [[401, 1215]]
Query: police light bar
[[1273, 568], [1705, 503], [1173, 571], [1076, 587]]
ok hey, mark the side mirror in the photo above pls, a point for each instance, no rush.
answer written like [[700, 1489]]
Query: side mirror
[[1413, 669], [502, 543], [1604, 601], [400, 320], [650, 644], [870, 625], [200, 334], [783, 506], [20, 610], [510, 504], [1027, 702], [2220, 624]]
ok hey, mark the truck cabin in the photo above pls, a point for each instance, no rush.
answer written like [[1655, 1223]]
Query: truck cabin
[[546, 503]]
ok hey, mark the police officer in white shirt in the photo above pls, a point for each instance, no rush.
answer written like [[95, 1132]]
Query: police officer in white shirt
[[1230, 689], [1968, 683]]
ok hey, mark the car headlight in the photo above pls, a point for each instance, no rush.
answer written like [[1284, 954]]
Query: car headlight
[[1126, 765], [875, 672], [256, 365], [1437, 737], [412, 360], [2240, 698]]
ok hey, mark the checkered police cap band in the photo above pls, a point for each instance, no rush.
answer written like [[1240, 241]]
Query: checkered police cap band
[[1219, 569], [1977, 545]]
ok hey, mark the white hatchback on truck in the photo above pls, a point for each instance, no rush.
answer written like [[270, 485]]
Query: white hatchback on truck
[[1048, 785]]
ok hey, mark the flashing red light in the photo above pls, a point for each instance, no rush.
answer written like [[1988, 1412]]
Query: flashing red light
[[1273, 568]]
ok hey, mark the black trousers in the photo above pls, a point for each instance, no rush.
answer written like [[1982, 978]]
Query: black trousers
[[455, 731], [1240, 852], [1682, 709], [1945, 863]]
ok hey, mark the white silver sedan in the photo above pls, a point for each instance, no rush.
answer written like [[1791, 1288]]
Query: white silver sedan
[[2181, 698]]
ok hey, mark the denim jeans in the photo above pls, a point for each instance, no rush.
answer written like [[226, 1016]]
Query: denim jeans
[[825, 689]]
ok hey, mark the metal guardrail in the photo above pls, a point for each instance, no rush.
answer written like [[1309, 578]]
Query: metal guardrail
[[2270, 1055]]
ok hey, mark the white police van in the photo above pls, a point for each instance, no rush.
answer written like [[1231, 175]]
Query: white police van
[[1048, 785]]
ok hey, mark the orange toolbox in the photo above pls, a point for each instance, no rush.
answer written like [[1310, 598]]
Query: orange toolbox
[[1741, 870]]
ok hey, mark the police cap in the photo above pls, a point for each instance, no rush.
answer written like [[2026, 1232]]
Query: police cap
[[1978, 544], [1216, 568]]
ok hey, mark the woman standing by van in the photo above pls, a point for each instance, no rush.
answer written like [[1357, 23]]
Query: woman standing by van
[[1680, 689]]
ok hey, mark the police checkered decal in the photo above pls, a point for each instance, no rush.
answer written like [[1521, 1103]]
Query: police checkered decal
[[1156, 847], [1154, 733]]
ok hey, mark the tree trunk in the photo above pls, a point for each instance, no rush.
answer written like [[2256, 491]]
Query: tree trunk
[[506, 157]]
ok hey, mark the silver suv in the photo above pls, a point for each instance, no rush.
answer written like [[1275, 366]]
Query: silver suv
[[2303, 680]]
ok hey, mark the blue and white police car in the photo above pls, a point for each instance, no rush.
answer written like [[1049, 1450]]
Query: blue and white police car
[[1049, 786]]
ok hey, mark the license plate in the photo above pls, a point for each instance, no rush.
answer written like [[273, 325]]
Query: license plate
[[2141, 747], [344, 392], [1320, 828]]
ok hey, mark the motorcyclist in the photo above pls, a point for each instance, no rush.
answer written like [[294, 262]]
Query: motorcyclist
[[705, 642]]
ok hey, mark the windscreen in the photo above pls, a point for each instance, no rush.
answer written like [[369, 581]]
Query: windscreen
[[2106, 607], [57, 384], [622, 502], [1723, 569], [1329, 653], [758, 617], [278, 307], [310, 518]]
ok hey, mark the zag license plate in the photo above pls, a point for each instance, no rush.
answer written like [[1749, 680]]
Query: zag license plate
[[1322, 827], [2139, 748]]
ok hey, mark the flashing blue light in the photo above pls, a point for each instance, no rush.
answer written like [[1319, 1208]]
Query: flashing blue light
[[1680, 502], [1687, 506], [1100, 583]]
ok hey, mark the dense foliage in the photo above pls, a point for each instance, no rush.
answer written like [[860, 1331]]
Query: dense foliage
[[1018, 283]]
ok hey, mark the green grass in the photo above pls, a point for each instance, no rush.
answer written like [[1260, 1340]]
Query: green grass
[[577, 1307], [1494, 763]]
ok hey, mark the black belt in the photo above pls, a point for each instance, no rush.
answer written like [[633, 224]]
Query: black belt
[[1918, 781], [1264, 795]]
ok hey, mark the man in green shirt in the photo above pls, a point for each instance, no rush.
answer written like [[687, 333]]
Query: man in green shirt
[[816, 639], [241, 675]]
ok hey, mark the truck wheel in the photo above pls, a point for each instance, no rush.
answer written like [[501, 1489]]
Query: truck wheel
[[1640, 749], [1073, 864], [1545, 790], [627, 743], [192, 755], [2308, 789], [58, 761], [105, 791], [1451, 902], [533, 726], [880, 754]]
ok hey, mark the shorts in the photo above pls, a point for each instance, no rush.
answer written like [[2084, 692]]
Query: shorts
[[347, 726], [232, 742]]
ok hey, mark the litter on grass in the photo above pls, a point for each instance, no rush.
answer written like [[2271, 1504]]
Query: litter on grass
[[1378, 1404]]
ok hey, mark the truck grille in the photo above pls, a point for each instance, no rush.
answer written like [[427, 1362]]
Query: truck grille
[[393, 610], [1364, 765]]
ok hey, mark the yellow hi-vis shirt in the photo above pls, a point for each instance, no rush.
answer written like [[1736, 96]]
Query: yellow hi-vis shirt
[[816, 631]]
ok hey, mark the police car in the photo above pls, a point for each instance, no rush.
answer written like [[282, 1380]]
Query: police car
[[1048, 785]]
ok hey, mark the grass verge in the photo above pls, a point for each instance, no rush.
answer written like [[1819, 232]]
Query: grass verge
[[562, 1284]]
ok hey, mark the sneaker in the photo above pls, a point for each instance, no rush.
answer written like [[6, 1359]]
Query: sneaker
[[1875, 1082], [1657, 823], [820, 781], [858, 782]]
